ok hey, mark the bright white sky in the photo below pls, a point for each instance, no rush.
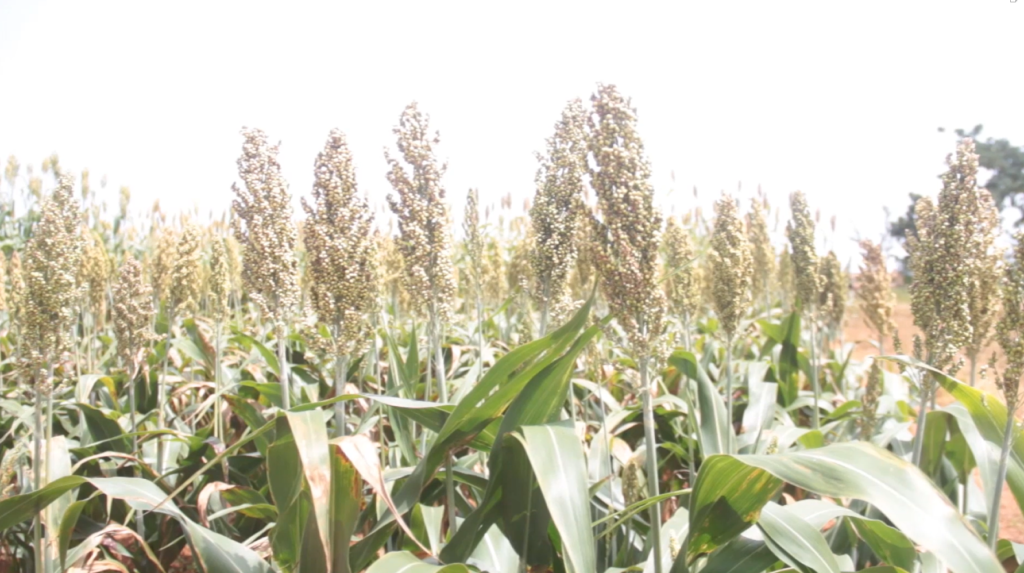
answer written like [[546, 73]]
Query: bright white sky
[[840, 100]]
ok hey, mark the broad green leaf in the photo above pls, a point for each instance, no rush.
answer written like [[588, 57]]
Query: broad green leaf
[[560, 468], [284, 467], [796, 541], [895, 487], [346, 500], [309, 429], [726, 500], [495, 553], [405, 562], [104, 429], [716, 437]]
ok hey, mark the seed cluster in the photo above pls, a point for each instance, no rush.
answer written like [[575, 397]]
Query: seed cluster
[[423, 219], [341, 247], [185, 274], [731, 266], [874, 289], [263, 226], [558, 209], [943, 256], [834, 289], [628, 233], [133, 312], [94, 273], [219, 291], [800, 231], [1010, 328], [51, 264], [762, 252], [682, 279]]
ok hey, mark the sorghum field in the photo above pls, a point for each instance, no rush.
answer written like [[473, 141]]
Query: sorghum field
[[589, 387]]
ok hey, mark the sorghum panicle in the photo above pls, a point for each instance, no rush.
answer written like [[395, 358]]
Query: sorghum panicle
[[762, 251], [874, 289], [943, 256], [51, 264], [133, 312], [630, 225], [558, 208], [731, 265], [800, 231], [264, 228], [1010, 328], [682, 277], [423, 219], [834, 289], [185, 274], [340, 243]]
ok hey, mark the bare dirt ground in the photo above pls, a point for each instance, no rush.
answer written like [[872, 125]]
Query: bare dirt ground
[[1011, 522]]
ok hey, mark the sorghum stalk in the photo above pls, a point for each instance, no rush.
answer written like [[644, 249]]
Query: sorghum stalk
[[220, 307], [943, 256], [627, 252], [51, 261], [263, 225], [831, 301], [343, 256], [474, 248], [731, 280], [1010, 334], [133, 314], [425, 241], [800, 231]]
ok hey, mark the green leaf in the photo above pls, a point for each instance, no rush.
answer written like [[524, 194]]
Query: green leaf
[[405, 562], [796, 541], [897, 488], [309, 429], [726, 500], [346, 501], [104, 429], [285, 479], [560, 467], [716, 437]]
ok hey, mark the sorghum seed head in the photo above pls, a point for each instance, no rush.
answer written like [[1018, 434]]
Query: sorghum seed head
[[51, 263], [630, 225], [133, 312], [682, 277], [731, 265], [220, 280], [1010, 328], [800, 231], [185, 274], [762, 251], [264, 227], [423, 219], [341, 246], [834, 288], [944, 255], [869, 400], [874, 289], [558, 209]]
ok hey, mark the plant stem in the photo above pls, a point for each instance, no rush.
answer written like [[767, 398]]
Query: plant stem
[[997, 493], [37, 477], [728, 383], [282, 362], [652, 460], [161, 397], [340, 373], [974, 364], [218, 418], [922, 413], [814, 374]]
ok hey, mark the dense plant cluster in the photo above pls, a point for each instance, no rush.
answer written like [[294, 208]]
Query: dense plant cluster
[[584, 386]]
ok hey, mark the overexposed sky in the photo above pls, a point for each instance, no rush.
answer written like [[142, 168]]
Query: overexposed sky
[[839, 99]]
